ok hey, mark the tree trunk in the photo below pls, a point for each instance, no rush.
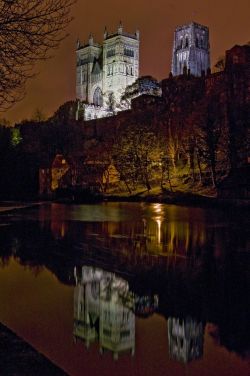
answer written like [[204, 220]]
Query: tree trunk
[[213, 174], [199, 166], [168, 178]]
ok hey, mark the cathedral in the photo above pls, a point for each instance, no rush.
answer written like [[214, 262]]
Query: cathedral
[[108, 71], [104, 71], [191, 49]]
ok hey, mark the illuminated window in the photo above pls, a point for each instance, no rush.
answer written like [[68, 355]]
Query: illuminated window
[[129, 52], [180, 43], [197, 41], [125, 333], [110, 53], [110, 70]]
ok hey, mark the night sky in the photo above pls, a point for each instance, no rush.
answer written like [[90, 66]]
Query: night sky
[[228, 21]]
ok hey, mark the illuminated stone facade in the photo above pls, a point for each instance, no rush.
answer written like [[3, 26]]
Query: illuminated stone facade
[[104, 71], [185, 338], [100, 313], [191, 49]]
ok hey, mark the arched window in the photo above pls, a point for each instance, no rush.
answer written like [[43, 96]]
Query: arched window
[[97, 98], [197, 41], [181, 42], [186, 43]]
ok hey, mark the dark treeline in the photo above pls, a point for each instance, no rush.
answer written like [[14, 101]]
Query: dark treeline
[[31, 145]]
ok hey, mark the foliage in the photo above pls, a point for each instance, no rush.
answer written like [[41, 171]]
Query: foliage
[[65, 113], [111, 103], [16, 137], [38, 116], [137, 153], [5, 122]]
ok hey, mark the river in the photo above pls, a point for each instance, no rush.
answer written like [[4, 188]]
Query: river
[[129, 288]]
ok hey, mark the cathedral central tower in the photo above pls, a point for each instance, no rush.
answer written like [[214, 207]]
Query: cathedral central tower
[[191, 49]]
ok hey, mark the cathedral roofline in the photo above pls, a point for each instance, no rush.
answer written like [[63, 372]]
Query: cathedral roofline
[[124, 34]]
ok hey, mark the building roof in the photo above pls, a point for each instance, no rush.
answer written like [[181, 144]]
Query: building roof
[[124, 34], [189, 24], [243, 51], [59, 161], [85, 45]]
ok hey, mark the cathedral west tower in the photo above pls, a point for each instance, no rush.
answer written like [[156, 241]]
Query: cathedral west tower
[[106, 69], [191, 49]]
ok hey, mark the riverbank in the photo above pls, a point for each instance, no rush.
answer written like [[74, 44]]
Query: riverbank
[[12, 206], [153, 196], [18, 358], [180, 198]]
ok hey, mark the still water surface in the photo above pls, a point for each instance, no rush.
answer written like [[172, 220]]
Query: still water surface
[[129, 289]]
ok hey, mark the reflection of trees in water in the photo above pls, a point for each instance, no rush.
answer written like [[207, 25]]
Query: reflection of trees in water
[[151, 237], [211, 285], [159, 230]]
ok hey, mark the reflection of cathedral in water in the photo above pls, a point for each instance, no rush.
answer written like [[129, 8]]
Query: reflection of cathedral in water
[[100, 313], [186, 339]]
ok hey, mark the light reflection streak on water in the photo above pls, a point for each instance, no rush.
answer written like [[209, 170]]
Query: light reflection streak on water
[[159, 230], [158, 210]]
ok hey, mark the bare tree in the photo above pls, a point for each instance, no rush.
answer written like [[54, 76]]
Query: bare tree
[[220, 64], [38, 115], [29, 29]]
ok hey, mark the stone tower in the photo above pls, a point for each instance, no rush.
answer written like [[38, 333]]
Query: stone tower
[[120, 61], [191, 49], [104, 69], [88, 72]]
